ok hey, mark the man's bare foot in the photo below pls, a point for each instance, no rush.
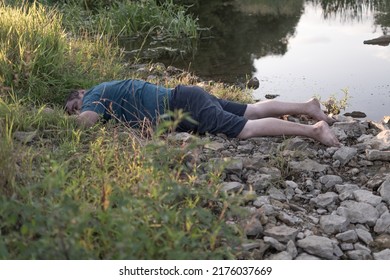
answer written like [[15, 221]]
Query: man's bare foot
[[314, 110], [323, 134]]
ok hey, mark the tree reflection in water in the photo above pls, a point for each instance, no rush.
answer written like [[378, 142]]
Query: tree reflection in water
[[244, 30]]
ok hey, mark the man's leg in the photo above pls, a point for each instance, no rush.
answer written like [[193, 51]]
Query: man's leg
[[273, 108], [276, 127]]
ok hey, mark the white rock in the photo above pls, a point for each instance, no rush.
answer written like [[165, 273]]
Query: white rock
[[323, 200], [378, 155], [364, 236], [282, 233], [319, 246], [347, 236], [358, 212], [330, 180], [384, 190], [367, 196], [344, 154], [232, 186], [308, 165], [383, 223], [331, 224], [381, 141], [306, 257], [280, 256], [382, 255]]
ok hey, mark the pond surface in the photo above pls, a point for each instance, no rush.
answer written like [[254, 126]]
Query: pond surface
[[297, 49], [327, 55]]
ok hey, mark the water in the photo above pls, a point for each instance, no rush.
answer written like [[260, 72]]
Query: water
[[326, 56], [297, 49]]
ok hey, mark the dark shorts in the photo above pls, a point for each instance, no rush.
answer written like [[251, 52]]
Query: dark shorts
[[210, 114]]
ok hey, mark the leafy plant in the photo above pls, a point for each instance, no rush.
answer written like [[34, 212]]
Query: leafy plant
[[334, 105]]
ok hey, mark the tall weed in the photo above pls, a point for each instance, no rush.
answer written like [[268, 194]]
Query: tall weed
[[38, 59], [32, 46]]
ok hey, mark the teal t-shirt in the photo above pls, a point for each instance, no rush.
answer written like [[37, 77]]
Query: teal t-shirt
[[130, 101]]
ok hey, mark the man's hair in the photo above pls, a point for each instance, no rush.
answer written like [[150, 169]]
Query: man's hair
[[74, 94]]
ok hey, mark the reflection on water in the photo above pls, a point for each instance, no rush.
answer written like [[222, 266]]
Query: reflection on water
[[296, 48], [240, 32], [327, 55]]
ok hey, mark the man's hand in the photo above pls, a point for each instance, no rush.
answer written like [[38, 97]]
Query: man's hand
[[87, 119]]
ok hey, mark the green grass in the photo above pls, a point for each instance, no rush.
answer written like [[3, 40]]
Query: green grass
[[40, 60], [104, 193]]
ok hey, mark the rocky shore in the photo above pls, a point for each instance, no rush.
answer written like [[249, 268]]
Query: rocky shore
[[308, 201]]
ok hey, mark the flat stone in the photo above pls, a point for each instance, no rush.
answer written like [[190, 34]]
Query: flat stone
[[232, 186], [347, 246], [344, 154], [359, 246], [292, 249], [364, 235], [255, 163], [251, 245], [382, 255], [245, 148], [215, 146], [347, 236], [234, 165], [331, 224], [355, 114], [383, 223], [340, 134], [280, 256], [307, 257], [274, 243], [307, 165], [288, 219], [378, 155], [367, 196], [358, 212], [381, 141], [325, 199], [276, 194], [319, 246], [340, 188], [384, 190], [261, 200], [359, 255], [330, 180], [350, 128], [268, 210], [375, 182], [291, 184], [346, 191], [282, 233]]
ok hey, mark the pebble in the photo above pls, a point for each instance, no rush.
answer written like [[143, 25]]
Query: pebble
[[316, 203]]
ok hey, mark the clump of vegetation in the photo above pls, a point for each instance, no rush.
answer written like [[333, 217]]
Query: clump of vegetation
[[39, 60], [104, 193], [334, 105]]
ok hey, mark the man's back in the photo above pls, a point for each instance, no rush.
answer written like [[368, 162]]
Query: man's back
[[128, 100]]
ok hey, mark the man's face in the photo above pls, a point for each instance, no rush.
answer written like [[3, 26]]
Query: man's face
[[73, 107]]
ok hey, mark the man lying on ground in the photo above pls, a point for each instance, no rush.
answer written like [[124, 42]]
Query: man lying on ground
[[133, 101]]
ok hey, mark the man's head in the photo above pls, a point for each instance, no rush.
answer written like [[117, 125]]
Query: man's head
[[74, 102]]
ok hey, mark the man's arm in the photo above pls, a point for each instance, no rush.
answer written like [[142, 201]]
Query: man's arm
[[87, 119]]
